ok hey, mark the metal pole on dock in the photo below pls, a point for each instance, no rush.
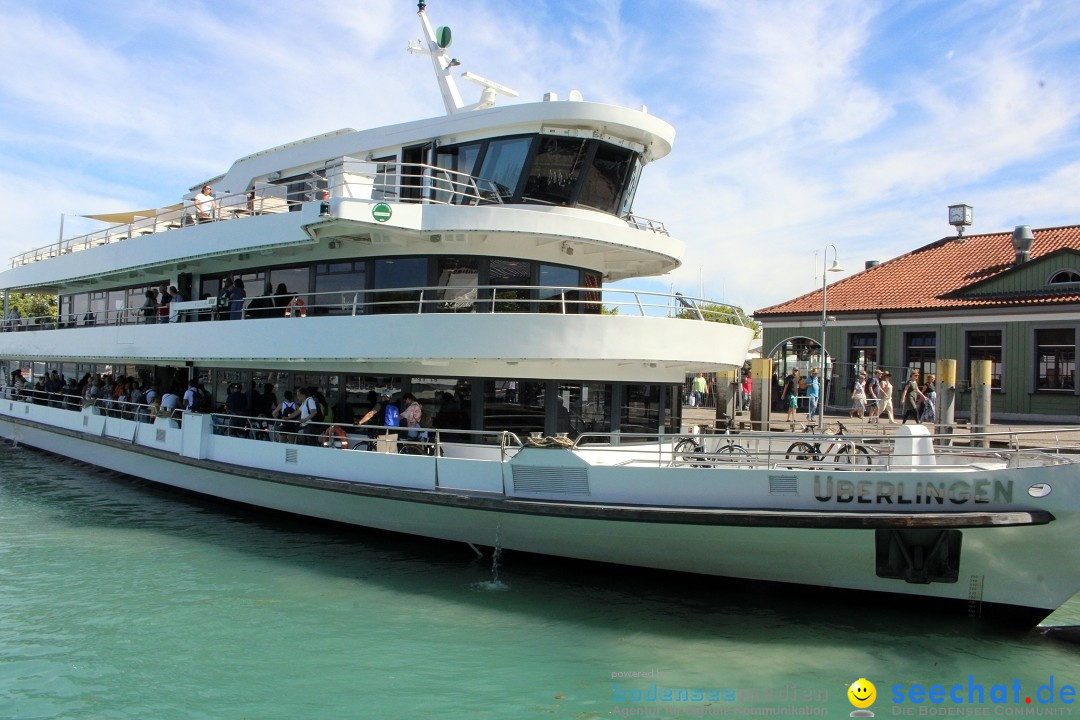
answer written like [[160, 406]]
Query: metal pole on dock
[[980, 399], [761, 370], [946, 397]]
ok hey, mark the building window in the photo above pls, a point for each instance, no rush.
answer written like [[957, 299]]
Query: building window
[[1055, 360], [920, 352], [1062, 277], [986, 345]]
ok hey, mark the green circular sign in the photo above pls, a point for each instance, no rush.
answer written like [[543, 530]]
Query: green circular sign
[[381, 212]]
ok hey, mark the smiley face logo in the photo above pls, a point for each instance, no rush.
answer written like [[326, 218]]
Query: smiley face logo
[[862, 694]]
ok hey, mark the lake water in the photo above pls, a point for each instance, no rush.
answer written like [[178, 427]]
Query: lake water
[[122, 600]]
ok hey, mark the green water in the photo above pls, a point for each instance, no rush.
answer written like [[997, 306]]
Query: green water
[[119, 600]]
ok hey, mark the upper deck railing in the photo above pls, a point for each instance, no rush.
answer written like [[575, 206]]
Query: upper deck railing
[[463, 296], [345, 178]]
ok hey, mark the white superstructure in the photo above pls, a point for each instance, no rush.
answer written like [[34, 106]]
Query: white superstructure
[[463, 260]]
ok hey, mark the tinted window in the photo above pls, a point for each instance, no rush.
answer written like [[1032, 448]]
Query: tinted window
[[606, 178], [392, 273], [556, 293], [555, 170], [502, 166]]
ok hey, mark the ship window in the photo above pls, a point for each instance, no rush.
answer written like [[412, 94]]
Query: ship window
[[393, 279], [385, 179], [457, 279], [514, 405], [593, 297], [502, 166], [558, 289], [584, 408], [506, 275], [339, 288], [631, 187], [296, 279], [555, 170], [611, 166], [641, 410], [450, 187]]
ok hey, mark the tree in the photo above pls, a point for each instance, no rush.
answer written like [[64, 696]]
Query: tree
[[730, 314], [33, 305]]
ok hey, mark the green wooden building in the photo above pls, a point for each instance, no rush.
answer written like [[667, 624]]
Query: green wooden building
[[1011, 298]]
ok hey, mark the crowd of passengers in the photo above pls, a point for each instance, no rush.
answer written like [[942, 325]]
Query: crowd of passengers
[[302, 417]]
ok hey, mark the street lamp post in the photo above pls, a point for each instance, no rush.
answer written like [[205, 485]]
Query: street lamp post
[[824, 321]]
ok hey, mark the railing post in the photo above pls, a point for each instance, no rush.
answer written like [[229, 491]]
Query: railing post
[[641, 308], [420, 305], [562, 299]]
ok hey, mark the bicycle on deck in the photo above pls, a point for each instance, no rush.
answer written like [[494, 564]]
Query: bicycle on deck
[[706, 449], [837, 448]]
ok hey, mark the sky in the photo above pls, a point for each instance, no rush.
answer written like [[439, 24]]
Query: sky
[[799, 124]]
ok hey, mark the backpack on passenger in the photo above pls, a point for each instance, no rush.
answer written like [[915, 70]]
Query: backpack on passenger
[[391, 416], [203, 402]]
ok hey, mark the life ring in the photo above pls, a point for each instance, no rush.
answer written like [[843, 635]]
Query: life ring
[[296, 308], [335, 434]]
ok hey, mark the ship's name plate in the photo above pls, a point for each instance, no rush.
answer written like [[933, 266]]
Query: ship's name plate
[[903, 492]]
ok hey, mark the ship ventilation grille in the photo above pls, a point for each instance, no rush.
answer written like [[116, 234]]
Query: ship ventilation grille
[[783, 485], [290, 455], [86, 421], [551, 480], [160, 435], [11, 407], [26, 410]]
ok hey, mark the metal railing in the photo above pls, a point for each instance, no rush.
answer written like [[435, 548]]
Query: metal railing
[[460, 298], [347, 178], [751, 449]]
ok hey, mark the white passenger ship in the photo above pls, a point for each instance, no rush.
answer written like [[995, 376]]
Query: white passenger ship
[[463, 259]]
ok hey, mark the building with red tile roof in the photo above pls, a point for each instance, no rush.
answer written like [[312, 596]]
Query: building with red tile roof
[[965, 298]]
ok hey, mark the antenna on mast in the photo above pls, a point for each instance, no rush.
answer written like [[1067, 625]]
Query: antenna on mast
[[436, 41]]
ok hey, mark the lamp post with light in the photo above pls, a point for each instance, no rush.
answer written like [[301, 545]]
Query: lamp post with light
[[824, 321]]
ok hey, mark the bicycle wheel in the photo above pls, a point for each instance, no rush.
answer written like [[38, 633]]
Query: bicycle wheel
[[853, 455], [733, 449], [364, 445], [410, 448], [687, 452], [802, 451]]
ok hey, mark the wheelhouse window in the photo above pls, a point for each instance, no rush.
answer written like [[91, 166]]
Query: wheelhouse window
[[607, 178], [986, 345], [1055, 359], [555, 170], [502, 165], [455, 185]]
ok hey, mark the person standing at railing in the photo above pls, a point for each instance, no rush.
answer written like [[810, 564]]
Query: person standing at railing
[[163, 301], [236, 300], [205, 205]]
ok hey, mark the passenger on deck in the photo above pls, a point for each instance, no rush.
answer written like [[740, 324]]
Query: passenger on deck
[[262, 306], [412, 414], [149, 306], [176, 296], [282, 412], [305, 412], [282, 298], [170, 401], [163, 303], [236, 300], [205, 205]]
